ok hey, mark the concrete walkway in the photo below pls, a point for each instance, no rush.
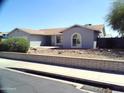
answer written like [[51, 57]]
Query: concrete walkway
[[108, 78]]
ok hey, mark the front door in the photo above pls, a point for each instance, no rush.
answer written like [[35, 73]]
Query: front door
[[48, 41]]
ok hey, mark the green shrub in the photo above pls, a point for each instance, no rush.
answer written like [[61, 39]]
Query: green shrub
[[15, 45]]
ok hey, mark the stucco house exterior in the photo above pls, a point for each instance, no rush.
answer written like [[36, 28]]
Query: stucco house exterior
[[76, 36]]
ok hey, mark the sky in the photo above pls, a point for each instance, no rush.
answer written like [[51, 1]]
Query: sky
[[40, 14]]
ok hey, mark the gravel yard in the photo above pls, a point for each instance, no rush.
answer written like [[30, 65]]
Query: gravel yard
[[87, 53]]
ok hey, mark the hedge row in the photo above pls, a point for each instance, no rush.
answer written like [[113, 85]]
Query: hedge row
[[15, 45]]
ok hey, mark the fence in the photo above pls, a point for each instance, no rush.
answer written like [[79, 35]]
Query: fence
[[110, 43]]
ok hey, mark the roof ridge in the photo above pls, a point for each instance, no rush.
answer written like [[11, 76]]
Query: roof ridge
[[53, 31], [53, 28], [27, 29]]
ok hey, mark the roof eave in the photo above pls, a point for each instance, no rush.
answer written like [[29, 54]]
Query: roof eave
[[97, 31], [46, 34]]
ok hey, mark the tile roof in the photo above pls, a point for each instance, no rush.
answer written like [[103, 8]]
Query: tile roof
[[57, 31], [96, 27], [53, 31]]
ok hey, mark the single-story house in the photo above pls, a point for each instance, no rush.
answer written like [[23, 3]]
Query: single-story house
[[76, 36]]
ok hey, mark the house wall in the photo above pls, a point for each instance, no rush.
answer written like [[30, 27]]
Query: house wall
[[35, 40], [53, 40], [96, 34], [18, 33], [86, 35]]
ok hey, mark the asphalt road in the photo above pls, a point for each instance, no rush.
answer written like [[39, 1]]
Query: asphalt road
[[84, 74]]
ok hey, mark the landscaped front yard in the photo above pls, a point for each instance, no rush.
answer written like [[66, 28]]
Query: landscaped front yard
[[88, 53]]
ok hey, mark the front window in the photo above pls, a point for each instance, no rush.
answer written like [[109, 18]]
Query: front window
[[76, 40]]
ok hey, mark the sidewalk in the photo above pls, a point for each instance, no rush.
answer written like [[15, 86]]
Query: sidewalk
[[108, 78]]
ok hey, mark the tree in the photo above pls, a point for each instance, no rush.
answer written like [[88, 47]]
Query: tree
[[115, 18]]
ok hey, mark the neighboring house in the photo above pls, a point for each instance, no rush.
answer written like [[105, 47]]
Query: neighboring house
[[76, 36], [3, 34]]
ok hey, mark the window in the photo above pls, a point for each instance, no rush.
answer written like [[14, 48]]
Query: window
[[58, 39], [76, 40]]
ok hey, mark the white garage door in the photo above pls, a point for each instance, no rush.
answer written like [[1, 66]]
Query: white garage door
[[35, 41]]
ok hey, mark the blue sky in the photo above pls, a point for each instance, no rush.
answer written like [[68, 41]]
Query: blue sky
[[37, 14]]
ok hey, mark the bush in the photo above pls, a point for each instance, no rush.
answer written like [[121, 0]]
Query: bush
[[15, 45]]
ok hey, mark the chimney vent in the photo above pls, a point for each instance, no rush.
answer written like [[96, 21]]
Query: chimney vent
[[88, 24]]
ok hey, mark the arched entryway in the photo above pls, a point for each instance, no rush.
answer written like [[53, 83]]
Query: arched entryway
[[76, 41]]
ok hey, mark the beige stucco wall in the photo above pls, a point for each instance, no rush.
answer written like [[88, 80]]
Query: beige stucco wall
[[94, 64]]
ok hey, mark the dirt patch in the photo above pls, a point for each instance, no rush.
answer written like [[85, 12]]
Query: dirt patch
[[88, 53]]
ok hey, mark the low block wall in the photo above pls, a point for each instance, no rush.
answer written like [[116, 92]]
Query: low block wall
[[94, 64]]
